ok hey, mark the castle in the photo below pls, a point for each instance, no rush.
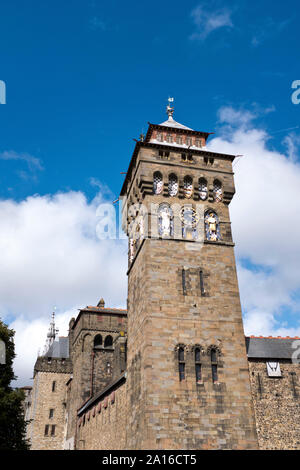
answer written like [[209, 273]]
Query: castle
[[174, 370]]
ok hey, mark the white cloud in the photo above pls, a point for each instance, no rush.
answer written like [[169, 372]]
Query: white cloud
[[50, 255], [30, 338], [97, 24], [267, 29], [234, 117], [264, 221], [208, 18], [33, 164]]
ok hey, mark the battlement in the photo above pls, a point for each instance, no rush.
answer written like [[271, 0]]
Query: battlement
[[53, 364]]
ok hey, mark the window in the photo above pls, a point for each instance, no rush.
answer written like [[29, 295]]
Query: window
[[214, 365], [183, 275], [97, 341], [198, 143], [108, 368], [157, 183], [188, 141], [163, 154], [188, 187], [53, 430], [169, 138], [53, 386], [179, 139], [183, 157], [160, 136], [197, 365], [51, 413], [173, 185], [203, 192], [46, 430], [108, 341], [202, 290], [181, 364], [218, 192]]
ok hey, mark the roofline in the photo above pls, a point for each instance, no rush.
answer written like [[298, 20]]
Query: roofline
[[105, 391], [99, 310], [176, 130], [171, 148], [273, 337]]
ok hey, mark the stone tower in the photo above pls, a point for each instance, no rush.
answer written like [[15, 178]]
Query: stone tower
[[188, 377], [94, 351], [46, 415]]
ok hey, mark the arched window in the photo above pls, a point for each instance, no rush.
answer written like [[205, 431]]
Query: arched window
[[181, 363], [189, 221], [173, 185], [214, 365], [212, 226], [108, 341], [97, 341], [198, 365], [203, 192], [157, 183], [218, 191], [188, 187], [165, 220]]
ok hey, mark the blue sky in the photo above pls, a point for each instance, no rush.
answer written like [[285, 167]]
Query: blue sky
[[83, 79]]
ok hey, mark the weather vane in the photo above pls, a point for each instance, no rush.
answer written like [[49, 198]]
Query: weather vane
[[170, 109]]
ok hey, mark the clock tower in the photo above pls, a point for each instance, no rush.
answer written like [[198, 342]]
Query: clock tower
[[188, 378]]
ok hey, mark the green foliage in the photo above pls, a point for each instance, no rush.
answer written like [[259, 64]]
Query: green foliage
[[12, 423]]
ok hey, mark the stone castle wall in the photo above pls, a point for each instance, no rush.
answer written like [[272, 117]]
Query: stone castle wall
[[165, 412], [103, 425], [93, 367], [167, 311], [45, 398], [277, 405]]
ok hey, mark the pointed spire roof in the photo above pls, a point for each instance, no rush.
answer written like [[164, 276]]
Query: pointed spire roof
[[170, 122]]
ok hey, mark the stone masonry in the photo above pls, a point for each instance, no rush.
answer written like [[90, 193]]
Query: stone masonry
[[173, 371], [165, 314]]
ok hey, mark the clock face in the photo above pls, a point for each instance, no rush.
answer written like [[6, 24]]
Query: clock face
[[189, 217]]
